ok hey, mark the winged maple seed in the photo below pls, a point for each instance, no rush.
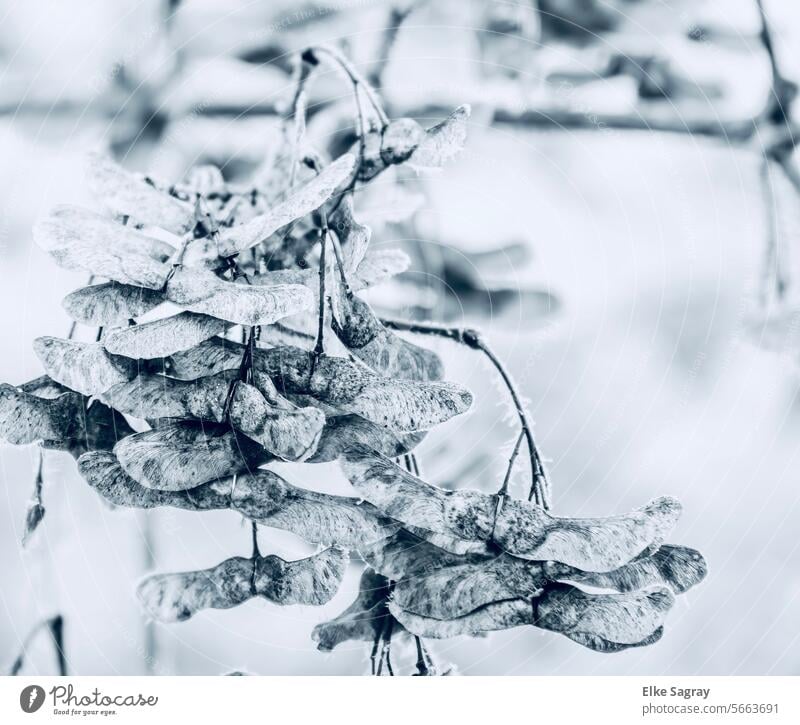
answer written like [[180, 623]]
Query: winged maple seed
[[196, 288], [177, 597]]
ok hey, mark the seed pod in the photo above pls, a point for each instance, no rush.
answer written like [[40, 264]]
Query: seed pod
[[200, 290], [493, 617], [458, 589], [442, 142], [43, 387], [395, 404], [164, 337], [363, 620], [110, 304], [155, 396], [177, 597], [26, 418], [289, 434], [342, 431], [127, 194], [261, 496], [298, 203], [104, 474], [207, 358], [319, 518], [408, 556], [184, 455], [452, 544], [607, 622], [621, 618], [353, 237], [82, 366], [446, 589], [400, 140], [599, 644], [100, 428], [377, 266], [519, 528], [80, 239], [363, 334], [678, 567]]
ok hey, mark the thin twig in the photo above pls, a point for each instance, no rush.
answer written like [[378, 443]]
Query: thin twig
[[773, 267], [55, 627], [504, 488], [540, 485], [319, 347], [397, 16], [782, 91]]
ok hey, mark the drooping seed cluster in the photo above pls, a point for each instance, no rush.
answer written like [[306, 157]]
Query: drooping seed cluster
[[196, 302]]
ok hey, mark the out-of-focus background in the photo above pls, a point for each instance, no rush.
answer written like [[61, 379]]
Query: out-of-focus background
[[609, 226]]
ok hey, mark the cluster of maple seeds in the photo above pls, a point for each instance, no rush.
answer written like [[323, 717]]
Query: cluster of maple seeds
[[220, 262]]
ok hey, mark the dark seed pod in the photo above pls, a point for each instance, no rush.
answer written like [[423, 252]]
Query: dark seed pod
[[82, 366], [177, 597], [363, 620], [163, 338], [27, 418], [399, 140], [607, 622], [342, 431], [364, 335], [396, 404], [519, 528], [184, 455], [110, 304]]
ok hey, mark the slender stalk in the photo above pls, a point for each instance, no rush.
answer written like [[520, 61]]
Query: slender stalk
[[319, 347], [773, 267], [55, 628], [783, 91], [504, 488], [540, 485], [397, 16]]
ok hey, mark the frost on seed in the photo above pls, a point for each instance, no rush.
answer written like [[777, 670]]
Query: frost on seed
[[400, 405], [291, 434], [156, 396], [492, 617], [110, 304], [624, 619], [298, 203], [26, 418], [678, 567], [184, 455], [162, 338], [342, 431], [200, 290], [363, 620], [319, 518], [365, 336], [442, 142], [377, 266], [519, 528], [125, 194], [85, 367], [80, 239], [353, 237], [459, 589], [103, 472], [178, 597], [206, 358]]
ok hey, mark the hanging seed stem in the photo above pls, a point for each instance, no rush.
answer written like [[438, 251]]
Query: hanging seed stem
[[540, 484]]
